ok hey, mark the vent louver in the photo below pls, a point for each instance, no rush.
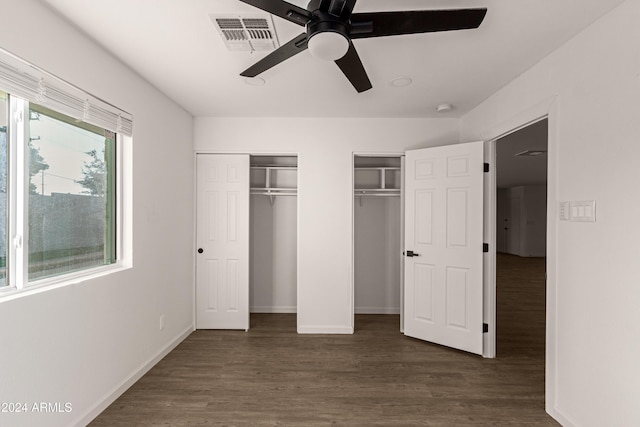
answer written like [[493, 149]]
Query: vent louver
[[255, 33]]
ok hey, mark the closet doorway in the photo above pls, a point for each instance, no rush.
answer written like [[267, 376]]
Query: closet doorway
[[246, 235], [273, 234], [378, 217]]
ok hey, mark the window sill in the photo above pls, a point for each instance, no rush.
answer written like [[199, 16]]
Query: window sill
[[44, 285]]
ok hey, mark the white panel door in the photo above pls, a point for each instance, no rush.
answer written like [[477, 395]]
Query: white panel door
[[443, 232], [222, 230]]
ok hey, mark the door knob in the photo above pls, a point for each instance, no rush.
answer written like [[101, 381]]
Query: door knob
[[411, 254], [200, 250]]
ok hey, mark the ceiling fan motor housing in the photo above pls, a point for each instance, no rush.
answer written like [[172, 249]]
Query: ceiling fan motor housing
[[323, 39], [322, 22]]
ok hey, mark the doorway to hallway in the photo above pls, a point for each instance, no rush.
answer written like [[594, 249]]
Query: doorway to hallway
[[521, 180]]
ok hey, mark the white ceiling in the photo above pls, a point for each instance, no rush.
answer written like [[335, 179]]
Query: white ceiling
[[174, 45]]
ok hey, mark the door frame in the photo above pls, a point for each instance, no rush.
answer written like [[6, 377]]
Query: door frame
[[489, 259], [352, 303], [548, 109], [195, 219]]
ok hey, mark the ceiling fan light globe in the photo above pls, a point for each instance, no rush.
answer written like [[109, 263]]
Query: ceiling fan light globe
[[328, 45]]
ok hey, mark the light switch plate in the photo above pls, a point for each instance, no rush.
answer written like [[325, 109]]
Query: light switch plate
[[583, 211]]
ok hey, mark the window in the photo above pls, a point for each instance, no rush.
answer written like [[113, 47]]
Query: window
[[57, 194], [58, 177], [71, 194]]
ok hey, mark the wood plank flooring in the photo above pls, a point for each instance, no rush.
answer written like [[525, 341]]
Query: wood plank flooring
[[272, 376]]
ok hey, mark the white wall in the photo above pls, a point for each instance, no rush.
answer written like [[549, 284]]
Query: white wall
[[590, 88], [83, 343], [325, 150], [529, 220]]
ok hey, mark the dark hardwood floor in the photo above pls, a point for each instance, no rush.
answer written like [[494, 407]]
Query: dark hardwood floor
[[272, 376]]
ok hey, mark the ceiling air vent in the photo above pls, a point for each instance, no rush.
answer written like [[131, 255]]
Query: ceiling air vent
[[249, 33]]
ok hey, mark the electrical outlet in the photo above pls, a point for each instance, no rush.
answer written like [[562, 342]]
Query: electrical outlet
[[162, 322]]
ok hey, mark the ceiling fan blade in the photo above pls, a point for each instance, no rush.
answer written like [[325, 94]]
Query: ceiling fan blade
[[353, 69], [380, 24], [347, 9], [340, 8], [323, 5], [284, 52], [284, 10]]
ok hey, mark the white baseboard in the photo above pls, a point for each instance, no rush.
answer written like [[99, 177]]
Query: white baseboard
[[335, 329], [377, 310], [110, 397], [559, 417], [274, 309]]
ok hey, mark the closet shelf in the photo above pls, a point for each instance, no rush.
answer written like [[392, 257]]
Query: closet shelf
[[377, 181], [274, 180]]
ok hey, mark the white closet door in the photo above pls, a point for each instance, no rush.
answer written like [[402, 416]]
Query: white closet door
[[443, 232], [222, 227]]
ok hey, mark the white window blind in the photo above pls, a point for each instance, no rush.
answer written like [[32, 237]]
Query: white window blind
[[20, 78]]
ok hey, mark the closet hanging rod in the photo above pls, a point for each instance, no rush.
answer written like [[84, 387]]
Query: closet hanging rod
[[275, 189], [273, 193], [377, 168], [376, 191], [376, 195], [288, 167]]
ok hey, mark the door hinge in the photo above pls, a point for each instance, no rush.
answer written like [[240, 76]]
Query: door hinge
[[485, 328], [486, 167], [485, 247]]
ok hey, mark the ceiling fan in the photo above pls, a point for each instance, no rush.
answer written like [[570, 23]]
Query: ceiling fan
[[331, 25]]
